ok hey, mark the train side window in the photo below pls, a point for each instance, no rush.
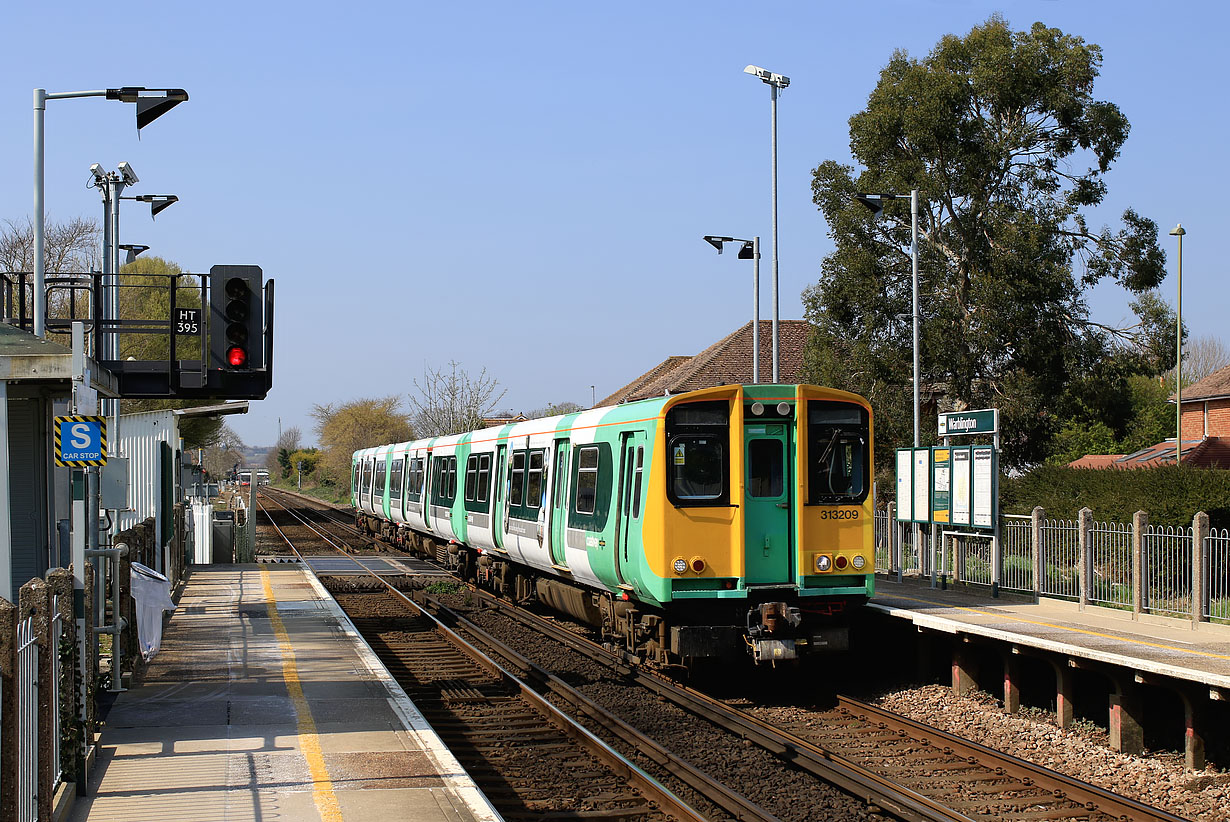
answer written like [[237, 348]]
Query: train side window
[[516, 491], [638, 476], [587, 480], [484, 476], [471, 478], [452, 478], [533, 494], [561, 475], [355, 481], [381, 472], [395, 472]]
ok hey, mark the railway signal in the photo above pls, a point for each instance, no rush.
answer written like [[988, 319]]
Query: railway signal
[[236, 332]]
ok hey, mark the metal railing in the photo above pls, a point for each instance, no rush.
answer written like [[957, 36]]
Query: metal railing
[[1110, 564], [884, 540], [1016, 543], [1217, 575], [1167, 570], [974, 558], [1060, 554], [27, 721]]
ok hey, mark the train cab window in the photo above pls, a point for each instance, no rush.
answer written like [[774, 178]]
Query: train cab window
[[698, 470], [516, 490], [587, 480], [766, 469], [838, 453], [395, 473], [533, 493]]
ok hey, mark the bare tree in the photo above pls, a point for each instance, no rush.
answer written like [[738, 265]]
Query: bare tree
[[71, 246], [225, 454], [450, 401], [1202, 356], [555, 409], [289, 441]]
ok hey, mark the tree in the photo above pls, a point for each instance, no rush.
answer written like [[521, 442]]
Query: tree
[[68, 247], [451, 402], [344, 429], [555, 409], [277, 460], [993, 129], [221, 457], [1201, 357]]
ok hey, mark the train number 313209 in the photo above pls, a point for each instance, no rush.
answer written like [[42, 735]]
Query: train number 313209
[[839, 514]]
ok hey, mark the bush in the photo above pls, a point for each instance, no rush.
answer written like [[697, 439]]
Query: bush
[[1170, 495]]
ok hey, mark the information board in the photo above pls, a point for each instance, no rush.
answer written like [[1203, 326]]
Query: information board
[[941, 485], [922, 485], [960, 486], [905, 494], [984, 486]]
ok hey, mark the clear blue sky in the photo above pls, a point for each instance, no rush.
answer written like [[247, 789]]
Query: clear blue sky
[[523, 187]]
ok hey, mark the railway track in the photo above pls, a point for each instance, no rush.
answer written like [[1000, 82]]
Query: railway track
[[528, 757], [892, 764]]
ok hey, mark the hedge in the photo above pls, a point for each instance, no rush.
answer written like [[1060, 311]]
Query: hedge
[[1170, 495]]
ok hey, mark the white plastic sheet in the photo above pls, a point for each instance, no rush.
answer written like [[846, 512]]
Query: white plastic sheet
[[152, 593]]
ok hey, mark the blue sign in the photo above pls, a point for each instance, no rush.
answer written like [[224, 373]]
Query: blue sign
[[80, 441]]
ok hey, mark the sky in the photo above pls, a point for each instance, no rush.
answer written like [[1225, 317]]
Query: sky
[[523, 187]]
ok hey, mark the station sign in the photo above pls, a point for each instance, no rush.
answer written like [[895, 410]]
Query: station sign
[[958, 423], [80, 441]]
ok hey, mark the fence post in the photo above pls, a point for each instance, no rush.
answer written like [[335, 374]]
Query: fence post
[[894, 542], [1084, 521], [73, 756], [89, 662], [35, 601], [8, 709], [1036, 518], [1200, 532], [1140, 523]]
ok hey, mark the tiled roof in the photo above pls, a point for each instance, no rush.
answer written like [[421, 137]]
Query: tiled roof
[[1216, 384], [1210, 452], [727, 362]]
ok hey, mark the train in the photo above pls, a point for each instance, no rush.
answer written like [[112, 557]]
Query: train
[[725, 521]]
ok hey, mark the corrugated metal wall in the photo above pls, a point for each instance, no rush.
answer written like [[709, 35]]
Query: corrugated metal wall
[[141, 439], [27, 490]]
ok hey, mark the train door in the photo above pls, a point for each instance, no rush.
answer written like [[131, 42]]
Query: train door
[[766, 504], [559, 505], [429, 472], [499, 501], [631, 475]]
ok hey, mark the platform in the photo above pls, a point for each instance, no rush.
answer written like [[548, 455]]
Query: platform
[[1151, 645], [265, 704]]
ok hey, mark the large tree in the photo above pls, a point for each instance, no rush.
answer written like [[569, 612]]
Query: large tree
[[452, 402], [346, 427], [1002, 136]]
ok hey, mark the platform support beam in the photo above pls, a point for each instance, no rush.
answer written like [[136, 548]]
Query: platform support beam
[[1065, 694], [1126, 717], [964, 676], [1012, 683], [1193, 731]]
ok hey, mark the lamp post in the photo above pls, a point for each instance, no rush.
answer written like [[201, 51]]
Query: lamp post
[[151, 104], [750, 250], [776, 82], [1178, 231], [875, 202]]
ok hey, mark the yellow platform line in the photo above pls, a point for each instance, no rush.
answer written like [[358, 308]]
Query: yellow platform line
[[1018, 618], [309, 741]]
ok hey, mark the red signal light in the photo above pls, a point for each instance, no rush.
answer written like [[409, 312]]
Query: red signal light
[[236, 357], [841, 562]]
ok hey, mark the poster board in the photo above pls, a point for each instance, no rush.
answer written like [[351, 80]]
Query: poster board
[[905, 492], [941, 485], [961, 473]]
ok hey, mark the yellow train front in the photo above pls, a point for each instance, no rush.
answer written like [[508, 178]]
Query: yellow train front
[[773, 549]]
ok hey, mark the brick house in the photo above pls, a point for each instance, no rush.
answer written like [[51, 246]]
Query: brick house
[[727, 362], [1204, 423]]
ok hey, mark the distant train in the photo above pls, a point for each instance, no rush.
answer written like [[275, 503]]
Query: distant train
[[730, 519]]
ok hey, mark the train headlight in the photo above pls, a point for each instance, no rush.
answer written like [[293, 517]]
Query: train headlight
[[858, 562], [757, 409], [681, 565], [783, 408], [824, 562]]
